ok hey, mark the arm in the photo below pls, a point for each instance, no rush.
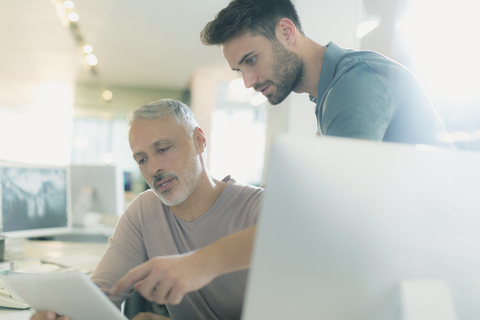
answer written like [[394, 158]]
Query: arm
[[168, 279], [125, 251]]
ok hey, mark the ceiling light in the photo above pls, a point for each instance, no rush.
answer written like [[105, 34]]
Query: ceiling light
[[91, 59], [68, 4], [87, 48], [72, 16], [107, 95]]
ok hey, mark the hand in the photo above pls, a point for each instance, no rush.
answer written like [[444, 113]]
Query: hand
[[168, 279], [50, 315], [149, 316]]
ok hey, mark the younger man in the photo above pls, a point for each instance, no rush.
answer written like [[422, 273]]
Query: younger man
[[358, 94]]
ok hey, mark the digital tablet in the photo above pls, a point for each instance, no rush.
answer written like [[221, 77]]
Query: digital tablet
[[72, 294]]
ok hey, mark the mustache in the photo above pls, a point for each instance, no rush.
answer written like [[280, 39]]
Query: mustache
[[160, 176], [259, 86]]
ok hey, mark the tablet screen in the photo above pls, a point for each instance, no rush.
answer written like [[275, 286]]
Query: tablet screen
[[72, 294]]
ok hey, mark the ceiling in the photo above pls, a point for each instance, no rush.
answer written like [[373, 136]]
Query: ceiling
[[138, 43]]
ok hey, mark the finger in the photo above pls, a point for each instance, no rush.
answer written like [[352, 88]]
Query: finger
[[146, 287], [144, 316], [160, 295], [132, 276], [47, 315], [149, 316], [151, 283], [177, 293]]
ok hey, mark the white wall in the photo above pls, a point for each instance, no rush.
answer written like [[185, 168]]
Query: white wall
[[323, 21]]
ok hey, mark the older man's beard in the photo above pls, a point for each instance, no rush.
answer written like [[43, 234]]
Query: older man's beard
[[187, 182], [288, 74]]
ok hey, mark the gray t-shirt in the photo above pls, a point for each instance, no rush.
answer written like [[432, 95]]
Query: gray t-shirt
[[148, 229], [364, 95]]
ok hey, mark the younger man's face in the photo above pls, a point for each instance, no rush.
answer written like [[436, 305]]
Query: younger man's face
[[265, 65]]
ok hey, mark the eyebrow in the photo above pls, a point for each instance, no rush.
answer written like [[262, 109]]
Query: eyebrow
[[245, 57], [154, 145]]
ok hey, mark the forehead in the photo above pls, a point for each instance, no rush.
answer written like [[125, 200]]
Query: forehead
[[233, 50], [144, 132]]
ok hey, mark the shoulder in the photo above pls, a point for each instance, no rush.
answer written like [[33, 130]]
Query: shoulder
[[145, 204], [245, 191], [361, 74], [237, 195]]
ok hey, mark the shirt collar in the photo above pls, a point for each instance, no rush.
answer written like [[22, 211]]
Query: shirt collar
[[330, 59]]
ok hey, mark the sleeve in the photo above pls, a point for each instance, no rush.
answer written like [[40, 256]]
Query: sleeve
[[357, 106], [125, 251]]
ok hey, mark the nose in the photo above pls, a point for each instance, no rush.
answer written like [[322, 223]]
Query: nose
[[154, 167], [249, 79]]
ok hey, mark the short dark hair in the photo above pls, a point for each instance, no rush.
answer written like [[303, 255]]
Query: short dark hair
[[259, 17]]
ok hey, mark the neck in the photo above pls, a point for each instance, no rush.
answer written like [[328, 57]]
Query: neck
[[202, 198], [312, 55]]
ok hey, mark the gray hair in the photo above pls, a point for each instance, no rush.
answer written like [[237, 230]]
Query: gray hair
[[179, 111]]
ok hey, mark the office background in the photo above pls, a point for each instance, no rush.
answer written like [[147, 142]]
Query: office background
[[70, 71]]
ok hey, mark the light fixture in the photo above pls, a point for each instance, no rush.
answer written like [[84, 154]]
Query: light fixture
[[73, 16], [91, 59], [87, 48], [68, 4], [107, 95], [69, 19]]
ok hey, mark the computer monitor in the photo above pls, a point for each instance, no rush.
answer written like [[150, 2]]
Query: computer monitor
[[34, 200], [97, 189], [347, 226]]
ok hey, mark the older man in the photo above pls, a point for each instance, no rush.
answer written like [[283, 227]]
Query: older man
[[187, 241]]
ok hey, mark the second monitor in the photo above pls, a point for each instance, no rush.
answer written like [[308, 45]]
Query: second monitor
[[97, 189]]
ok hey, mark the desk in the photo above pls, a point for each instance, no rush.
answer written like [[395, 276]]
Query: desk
[[31, 253]]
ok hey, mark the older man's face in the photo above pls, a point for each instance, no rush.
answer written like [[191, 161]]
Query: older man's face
[[167, 157]]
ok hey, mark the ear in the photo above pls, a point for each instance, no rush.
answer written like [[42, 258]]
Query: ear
[[286, 32], [200, 140]]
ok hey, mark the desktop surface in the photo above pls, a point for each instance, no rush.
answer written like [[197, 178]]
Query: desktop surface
[[345, 222]]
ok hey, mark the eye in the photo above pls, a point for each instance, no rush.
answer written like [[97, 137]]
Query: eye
[[251, 60], [163, 150], [141, 161]]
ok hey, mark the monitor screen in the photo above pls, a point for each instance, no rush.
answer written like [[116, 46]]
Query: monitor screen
[[97, 189], [353, 229], [34, 200]]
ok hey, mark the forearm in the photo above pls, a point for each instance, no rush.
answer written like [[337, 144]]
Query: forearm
[[229, 254]]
